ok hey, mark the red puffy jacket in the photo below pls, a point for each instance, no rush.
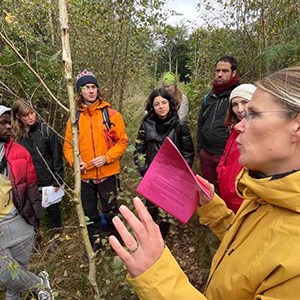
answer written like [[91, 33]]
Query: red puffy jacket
[[23, 179], [227, 170]]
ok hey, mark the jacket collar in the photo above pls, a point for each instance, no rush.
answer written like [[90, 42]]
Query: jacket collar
[[282, 192], [94, 106]]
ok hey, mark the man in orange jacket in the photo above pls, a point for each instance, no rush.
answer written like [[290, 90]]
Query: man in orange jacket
[[100, 150]]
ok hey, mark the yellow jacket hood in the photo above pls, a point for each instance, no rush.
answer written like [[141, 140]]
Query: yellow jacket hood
[[283, 192]]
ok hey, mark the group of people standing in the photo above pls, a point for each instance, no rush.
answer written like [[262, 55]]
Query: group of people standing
[[31, 156], [223, 107], [260, 247], [102, 141]]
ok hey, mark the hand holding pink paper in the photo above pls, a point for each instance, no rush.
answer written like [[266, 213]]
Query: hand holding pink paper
[[171, 184]]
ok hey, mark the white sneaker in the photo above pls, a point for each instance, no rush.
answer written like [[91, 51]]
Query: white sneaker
[[45, 294]]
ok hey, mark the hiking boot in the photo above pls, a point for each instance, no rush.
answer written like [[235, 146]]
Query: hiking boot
[[46, 292]]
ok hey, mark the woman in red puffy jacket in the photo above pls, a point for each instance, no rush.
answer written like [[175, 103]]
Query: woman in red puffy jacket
[[229, 166]]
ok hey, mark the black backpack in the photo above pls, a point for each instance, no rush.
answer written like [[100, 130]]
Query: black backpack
[[105, 116]]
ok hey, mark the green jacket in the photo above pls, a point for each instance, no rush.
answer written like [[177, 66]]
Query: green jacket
[[260, 250]]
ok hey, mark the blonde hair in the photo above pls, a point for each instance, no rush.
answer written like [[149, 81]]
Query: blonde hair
[[178, 95], [284, 85], [20, 108]]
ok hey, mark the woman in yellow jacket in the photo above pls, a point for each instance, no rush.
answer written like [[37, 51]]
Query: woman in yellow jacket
[[260, 246]]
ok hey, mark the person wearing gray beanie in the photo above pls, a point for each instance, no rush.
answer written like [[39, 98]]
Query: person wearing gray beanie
[[237, 106], [245, 90], [229, 167]]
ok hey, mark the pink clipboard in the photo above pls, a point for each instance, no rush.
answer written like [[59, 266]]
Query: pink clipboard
[[171, 184]]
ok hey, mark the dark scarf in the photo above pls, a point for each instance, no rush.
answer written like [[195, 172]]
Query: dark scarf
[[165, 125], [220, 88]]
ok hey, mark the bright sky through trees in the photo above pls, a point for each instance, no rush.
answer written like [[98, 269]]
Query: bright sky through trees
[[187, 9]]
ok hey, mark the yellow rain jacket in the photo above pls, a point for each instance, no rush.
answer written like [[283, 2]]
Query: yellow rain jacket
[[94, 140], [259, 256]]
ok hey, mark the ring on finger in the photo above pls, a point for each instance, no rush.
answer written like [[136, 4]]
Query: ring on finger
[[135, 248]]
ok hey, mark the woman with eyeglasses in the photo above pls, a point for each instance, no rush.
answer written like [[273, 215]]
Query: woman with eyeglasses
[[229, 166], [161, 121], [260, 245]]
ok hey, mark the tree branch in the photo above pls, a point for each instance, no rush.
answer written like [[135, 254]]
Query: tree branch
[[11, 45]]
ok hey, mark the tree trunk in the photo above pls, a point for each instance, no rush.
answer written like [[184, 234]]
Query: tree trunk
[[170, 60], [51, 24], [263, 25], [66, 58]]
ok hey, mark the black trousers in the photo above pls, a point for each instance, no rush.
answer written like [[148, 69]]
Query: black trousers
[[54, 216], [107, 192]]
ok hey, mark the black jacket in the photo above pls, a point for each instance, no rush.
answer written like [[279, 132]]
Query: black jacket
[[151, 136], [212, 132], [48, 144]]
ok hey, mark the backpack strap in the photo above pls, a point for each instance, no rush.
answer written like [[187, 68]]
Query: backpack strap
[[105, 116], [106, 119]]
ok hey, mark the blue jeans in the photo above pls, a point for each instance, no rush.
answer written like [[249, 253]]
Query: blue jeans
[[16, 242]]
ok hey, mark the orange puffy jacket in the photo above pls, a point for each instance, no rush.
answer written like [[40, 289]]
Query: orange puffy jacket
[[94, 140]]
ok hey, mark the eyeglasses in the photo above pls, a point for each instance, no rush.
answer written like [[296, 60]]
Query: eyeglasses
[[249, 116]]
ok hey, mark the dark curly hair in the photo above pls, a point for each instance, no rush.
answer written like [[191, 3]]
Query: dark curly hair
[[165, 94]]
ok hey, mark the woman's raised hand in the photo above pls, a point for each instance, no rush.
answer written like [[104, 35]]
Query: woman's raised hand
[[145, 247]]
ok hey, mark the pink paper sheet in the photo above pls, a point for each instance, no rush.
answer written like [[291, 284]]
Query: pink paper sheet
[[171, 184]]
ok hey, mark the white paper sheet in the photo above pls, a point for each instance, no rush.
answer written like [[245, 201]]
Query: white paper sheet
[[49, 196]]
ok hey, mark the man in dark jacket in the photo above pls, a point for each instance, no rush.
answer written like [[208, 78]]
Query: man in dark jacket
[[20, 212], [212, 132]]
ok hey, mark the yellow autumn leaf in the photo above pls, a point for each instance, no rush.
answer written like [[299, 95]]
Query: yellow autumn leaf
[[9, 18], [67, 237]]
